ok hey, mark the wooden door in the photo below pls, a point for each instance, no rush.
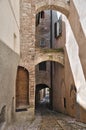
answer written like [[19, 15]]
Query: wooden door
[[22, 87]]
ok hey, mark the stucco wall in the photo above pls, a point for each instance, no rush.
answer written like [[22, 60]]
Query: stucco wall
[[9, 24], [64, 84], [58, 93], [80, 7], [8, 68], [70, 88], [77, 73]]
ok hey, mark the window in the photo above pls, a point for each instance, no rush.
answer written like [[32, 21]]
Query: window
[[42, 43], [37, 19], [58, 27], [39, 16], [42, 14], [42, 66], [64, 102]]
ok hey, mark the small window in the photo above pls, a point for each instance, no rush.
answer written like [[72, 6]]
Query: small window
[[64, 102], [37, 19], [58, 27], [42, 43], [42, 14], [42, 66]]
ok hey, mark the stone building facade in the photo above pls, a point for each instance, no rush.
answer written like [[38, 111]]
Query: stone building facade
[[31, 55], [68, 68]]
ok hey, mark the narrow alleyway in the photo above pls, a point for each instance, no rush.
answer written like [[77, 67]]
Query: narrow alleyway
[[49, 120]]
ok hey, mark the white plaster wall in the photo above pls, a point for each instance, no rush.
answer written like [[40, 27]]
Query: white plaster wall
[[81, 9], [8, 68], [76, 67], [16, 8], [9, 23]]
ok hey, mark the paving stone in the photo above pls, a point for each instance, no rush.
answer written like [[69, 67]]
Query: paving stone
[[49, 120]]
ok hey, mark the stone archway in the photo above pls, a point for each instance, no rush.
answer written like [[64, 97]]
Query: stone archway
[[60, 5], [48, 77], [49, 56]]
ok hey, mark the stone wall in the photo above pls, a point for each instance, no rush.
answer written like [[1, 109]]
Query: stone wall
[[43, 77], [58, 89]]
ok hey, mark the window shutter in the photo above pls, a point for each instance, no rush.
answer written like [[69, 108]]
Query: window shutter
[[60, 24], [57, 29], [38, 19]]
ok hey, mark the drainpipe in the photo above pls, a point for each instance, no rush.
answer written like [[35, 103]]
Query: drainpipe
[[51, 42]]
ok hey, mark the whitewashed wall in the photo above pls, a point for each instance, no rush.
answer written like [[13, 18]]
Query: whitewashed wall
[[9, 23], [76, 67], [81, 9]]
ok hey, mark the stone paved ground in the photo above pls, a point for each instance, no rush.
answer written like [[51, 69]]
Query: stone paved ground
[[49, 120]]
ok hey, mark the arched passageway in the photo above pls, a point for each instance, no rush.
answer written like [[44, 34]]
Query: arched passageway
[[49, 74], [69, 10], [42, 94], [22, 88], [28, 49]]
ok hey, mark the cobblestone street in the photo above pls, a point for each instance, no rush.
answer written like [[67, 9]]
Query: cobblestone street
[[49, 120]]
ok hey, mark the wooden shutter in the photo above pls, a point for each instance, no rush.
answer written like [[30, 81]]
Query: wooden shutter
[[57, 29]]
